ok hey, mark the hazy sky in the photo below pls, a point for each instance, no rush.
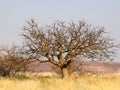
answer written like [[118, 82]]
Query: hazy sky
[[13, 14]]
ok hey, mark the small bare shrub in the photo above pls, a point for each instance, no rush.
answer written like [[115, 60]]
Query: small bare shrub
[[11, 61]]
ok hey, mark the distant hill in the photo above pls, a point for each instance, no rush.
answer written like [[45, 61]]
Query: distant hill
[[98, 67], [88, 66]]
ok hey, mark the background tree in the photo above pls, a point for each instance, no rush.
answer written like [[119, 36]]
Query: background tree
[[11, 61], [60, 43]]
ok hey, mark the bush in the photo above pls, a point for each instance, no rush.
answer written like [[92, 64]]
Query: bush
[[11, 61]]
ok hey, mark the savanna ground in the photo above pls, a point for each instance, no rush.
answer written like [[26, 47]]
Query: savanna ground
[[48, 81]]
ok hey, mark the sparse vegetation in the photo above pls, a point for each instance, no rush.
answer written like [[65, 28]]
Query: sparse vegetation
[[60, 44], [80, 82]]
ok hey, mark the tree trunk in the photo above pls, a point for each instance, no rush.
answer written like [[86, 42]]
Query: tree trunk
[[64, 72]]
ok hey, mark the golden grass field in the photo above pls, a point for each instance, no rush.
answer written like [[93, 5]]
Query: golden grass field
[[47, 81]]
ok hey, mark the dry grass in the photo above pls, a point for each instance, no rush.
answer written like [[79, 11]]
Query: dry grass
[[74, 82]]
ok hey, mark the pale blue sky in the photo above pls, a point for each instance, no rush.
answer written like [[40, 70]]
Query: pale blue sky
[[13, 14]]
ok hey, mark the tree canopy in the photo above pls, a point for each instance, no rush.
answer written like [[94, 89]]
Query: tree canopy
[[60, 42]]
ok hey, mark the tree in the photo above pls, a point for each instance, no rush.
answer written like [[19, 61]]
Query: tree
[[11, 61], [60, 43]]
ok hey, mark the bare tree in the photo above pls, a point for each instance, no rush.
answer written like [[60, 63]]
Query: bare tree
[[60, 43], [11, 61]]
